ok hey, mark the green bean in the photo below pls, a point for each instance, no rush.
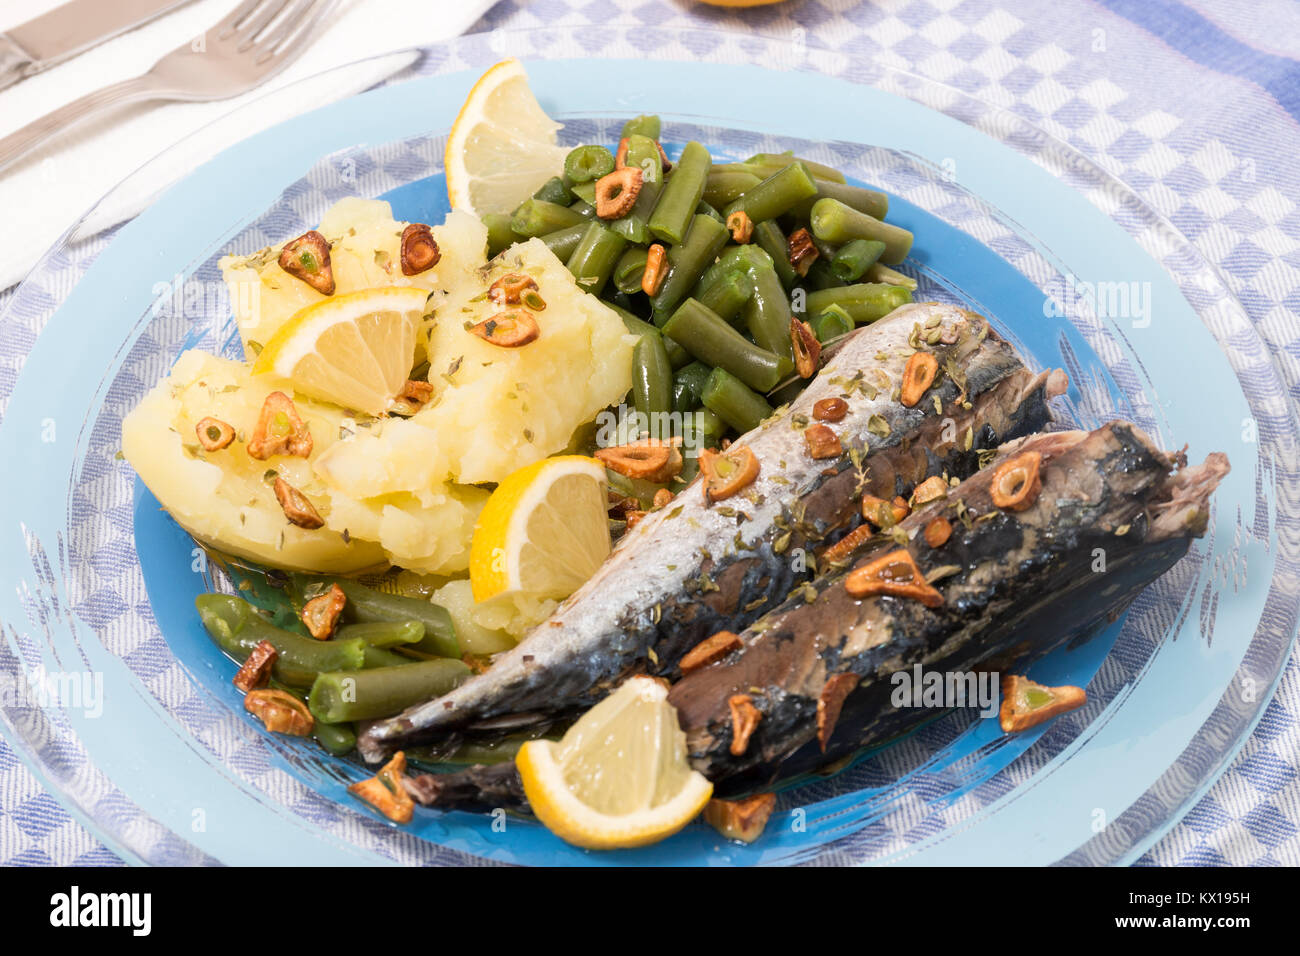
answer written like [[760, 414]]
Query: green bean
[[704, 209], [769, 237], [681, 194], [586, 192], [725, 294], [734, 402], [337, 739], [562, 242], [585, 164], [500, 235], [776, 194], [825, 250], [767, 316], [832, 221], [701, 428], [749, 169], [634, 230], [237, 628], [583, 208], [554, 190], [855, 257], [864, 302], [704, 425], [383, 633], [643, 153], [821, 276], [831, 324], [688, 386], [723, 186], [629, 270], [869, 201], [652, 379], [646, 125], [744, 258], [594, 259], [686, 264], [364, 695], [366, 605], [751, 262], [642, 489], [382, 657], [882, 273], [632, 322], [774, 161], [534, 217], [677, 356], [711, 340]]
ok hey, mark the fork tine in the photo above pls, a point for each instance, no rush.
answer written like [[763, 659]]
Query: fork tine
[[227, 25], [272, 56], [246, 33], [295, 13]]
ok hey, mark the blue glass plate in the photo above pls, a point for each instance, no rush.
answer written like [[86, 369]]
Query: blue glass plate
[[164, 766]]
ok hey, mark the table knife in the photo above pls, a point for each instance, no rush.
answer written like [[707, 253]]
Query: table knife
[[71, 29]]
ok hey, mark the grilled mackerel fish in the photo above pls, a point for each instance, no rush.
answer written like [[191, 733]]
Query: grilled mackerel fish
[[810, 683], [691, 569], [1100, 515]]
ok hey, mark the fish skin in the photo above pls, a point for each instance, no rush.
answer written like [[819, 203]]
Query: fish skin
[[1008, 610], [721, 567], [1025, 586]]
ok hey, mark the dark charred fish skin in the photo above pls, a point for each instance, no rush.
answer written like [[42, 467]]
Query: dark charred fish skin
[[480, 787], [1026, 586], [690, 570], [1023, 585]]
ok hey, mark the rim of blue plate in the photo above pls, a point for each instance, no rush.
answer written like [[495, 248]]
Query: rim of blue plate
[[468, 47]]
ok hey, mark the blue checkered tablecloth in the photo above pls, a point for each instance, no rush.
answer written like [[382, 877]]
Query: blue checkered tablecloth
[[1195, 105]]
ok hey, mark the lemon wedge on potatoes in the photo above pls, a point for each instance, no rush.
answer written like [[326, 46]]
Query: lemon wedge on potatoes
[[502, 145], [353, 350], [619, 777], [543, 532]]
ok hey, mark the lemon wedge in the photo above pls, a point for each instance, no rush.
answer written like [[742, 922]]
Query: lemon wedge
[[619, 777], [502, 145], [353, 350], [543, 532]]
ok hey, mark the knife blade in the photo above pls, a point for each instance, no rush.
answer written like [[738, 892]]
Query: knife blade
[[70, 29]]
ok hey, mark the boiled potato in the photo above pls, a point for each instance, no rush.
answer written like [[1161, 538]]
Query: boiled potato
[[224, 498], [390, 490], [429, 533], [365, 253], [495, 409], [475, 638]]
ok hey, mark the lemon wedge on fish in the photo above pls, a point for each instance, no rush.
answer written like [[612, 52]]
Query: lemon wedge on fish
[[353, 350], [619, 777], [502, 146], [543, 532]]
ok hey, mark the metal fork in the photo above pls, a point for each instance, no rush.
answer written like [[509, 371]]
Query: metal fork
[[257, 40]]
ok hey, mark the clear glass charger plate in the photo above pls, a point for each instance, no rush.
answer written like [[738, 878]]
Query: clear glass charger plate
[[123, 709]]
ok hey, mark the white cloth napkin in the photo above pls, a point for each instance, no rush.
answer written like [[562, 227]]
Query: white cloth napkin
[[42, 196]]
